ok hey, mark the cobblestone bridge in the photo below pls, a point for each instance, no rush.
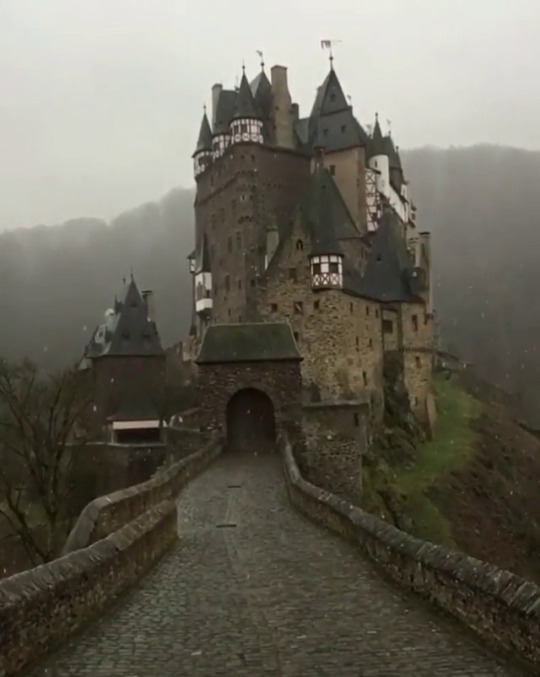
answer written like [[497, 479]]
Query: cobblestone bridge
[[253, 589]]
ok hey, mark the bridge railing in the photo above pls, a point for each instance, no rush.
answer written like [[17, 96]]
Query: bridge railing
[[499, 606]]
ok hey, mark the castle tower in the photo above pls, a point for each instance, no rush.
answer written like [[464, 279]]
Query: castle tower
[[246, 124], [345, 143], [202, 157]]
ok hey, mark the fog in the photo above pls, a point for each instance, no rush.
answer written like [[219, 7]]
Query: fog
[[102, 98]]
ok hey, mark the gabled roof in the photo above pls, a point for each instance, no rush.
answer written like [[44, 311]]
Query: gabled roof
[[323, 203], [127, 329], [204, 141], [389, 266], [255, 342], [325, 213], [330, 97], [225, 108], [245, 103], [339, 127], [202, 257]]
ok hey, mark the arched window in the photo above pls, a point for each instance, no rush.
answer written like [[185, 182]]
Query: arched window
[[299, 245]]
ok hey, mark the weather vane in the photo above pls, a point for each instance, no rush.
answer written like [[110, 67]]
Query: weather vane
[[328, 44]]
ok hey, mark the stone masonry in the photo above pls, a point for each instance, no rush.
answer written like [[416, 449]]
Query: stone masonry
[[252, 588]]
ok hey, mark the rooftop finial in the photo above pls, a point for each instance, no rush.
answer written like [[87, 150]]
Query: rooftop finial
[[204, 108], [261, 56], [376, 117], [327, 44], [243, 67], [389, 123]]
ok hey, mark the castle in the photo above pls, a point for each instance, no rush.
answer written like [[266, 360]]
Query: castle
[[308, 221]]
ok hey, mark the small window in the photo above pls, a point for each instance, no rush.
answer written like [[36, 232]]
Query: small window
[[292, 274], [357, 344], [370, 343], [238, 240], [415, 322], [316, 305], [227, 283], [343, 129], [333, 267], [356, 420], [273, 307], [388, 326], [298, 308], [316, 269], [418, 361], [299, 245], [333, 96], [364, 376], [296, 336], [351, 308], [376, 312], [332, 170], [229, 312], [367, 310], [252, 282]]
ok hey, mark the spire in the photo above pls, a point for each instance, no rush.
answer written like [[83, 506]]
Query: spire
[[245, 103], [320, 210], [377, 144], [205, 135]]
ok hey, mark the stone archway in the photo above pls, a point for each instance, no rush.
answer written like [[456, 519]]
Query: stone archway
[[251, 424]]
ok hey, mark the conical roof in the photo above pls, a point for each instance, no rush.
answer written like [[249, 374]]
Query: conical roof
[[204, 141], [376, 144], [245, 103]]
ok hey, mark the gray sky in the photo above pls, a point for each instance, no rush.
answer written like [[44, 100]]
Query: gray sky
[[102, 99]]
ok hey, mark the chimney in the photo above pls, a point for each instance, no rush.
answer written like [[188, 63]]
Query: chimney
[[216, 91], [149, 300], [283, 108]]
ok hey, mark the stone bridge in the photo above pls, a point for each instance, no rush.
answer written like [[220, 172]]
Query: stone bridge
[[251, 587]]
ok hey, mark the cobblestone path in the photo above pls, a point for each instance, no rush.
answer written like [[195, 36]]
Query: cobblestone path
[[272, 595]]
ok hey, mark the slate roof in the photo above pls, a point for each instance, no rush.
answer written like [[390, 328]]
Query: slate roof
[[225, 109], [326, 216], [127, 329], [331, 110], [204, 141], [255, 342], [389, 267], [245, 103], [376, 145]]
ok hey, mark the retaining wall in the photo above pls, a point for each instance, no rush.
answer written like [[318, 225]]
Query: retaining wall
[[500, 606], [105, 514]]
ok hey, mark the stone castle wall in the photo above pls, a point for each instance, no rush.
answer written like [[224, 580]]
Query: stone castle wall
[[115, 541], [333, 444], [339, 336], [501, 607]]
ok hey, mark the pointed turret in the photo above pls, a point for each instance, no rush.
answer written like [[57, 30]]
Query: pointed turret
[[376, 145], [246, 125], [202, 157]]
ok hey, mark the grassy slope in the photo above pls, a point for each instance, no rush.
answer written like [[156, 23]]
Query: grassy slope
[[473, 487], [407, 494]]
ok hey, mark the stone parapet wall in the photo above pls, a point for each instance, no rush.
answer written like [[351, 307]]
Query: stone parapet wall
[[106, 514], [501, 607], [184, 441], [39, 607]]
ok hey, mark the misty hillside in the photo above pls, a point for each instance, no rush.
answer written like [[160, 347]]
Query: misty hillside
[[479, 203]]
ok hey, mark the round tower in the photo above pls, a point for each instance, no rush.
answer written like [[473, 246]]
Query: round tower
[[202, 157], [247, 124]]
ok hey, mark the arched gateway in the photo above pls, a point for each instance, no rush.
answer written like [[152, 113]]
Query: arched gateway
[[250, 421], [250, 382]]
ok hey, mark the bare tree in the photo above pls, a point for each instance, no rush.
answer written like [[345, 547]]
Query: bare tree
[[42, 427]]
